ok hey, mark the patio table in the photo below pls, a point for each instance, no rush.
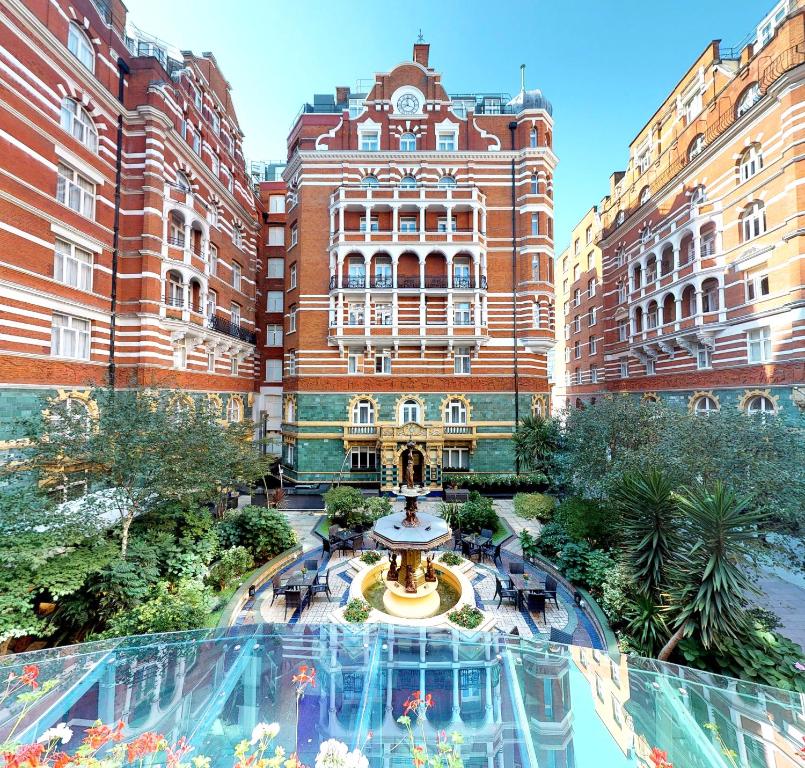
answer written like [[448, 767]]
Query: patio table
[[531, 584]]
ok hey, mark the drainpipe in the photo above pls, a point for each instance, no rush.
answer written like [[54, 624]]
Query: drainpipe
[[512, 129], [122, 71]]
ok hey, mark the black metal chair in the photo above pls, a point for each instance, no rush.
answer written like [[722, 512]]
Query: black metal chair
[[326, 548], [505, 593], [311, 565], [277, 588], [550, 589], [458, 541], [516, 567], [322, 586], [333, 533], [536, 603], [468, 549], [492, 551], [293, 600], [558, 636]]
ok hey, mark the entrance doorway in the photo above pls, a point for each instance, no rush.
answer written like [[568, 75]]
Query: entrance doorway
[[419, 466]]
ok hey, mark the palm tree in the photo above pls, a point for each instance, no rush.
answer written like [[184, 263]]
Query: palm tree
[[535, 442], [650, 529], [710, 582]]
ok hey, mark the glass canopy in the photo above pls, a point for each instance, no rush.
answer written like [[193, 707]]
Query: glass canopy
[[516, 702]]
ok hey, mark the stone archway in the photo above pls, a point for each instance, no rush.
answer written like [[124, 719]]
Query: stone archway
[[419, 466]]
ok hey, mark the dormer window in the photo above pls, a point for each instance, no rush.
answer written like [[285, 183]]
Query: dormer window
[[446, 141], [370, 141], [408, 142], [748, 99], [80, 46]]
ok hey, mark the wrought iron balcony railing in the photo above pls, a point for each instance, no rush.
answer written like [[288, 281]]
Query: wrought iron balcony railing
[[226, 326]]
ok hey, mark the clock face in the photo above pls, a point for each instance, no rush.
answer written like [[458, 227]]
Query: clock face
[[408, 103]]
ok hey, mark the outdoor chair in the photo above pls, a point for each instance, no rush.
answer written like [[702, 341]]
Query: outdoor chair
[[333, 534], [536, 603], [458, 542], [322, 586], [468, 549], [550, 589], [326, 548], [293, 600], [505, 593], [516, 567], [492, 551], [558, 636], [277, 588]]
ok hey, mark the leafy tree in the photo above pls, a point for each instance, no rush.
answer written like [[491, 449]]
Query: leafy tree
[[142, 448], [233, 563], [477, 513], [341, 501], [265, 532], [587, 520], [650, 528], [536, 440], [709, 584]]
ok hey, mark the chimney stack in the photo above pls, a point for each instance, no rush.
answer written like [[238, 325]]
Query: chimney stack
[[341, 94], [421, 51]]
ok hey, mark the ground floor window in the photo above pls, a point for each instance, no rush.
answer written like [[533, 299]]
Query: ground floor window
[[455, 458], [363, 458], [290, 454]]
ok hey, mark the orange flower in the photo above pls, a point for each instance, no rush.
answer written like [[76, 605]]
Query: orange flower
[[100, 734], [61, 759], [418, 753], [145, 744], [27, 755], [660, 758], [174, 755], [29, 674]]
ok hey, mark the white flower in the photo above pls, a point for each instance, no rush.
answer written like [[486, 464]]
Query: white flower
[[61, 732], [356, 759], [332, 754], [265, 731]]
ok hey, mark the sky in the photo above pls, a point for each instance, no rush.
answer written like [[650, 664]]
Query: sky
[[605, 66]]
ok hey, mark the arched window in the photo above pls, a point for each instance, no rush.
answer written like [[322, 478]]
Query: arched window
[[408, 142], [533, 183], [290, 411], [234, 410], [80, 46], [751, 162], [183, 182], [710, 295], [77, 122], [447, 182], [532, 138], [539, 407], [748, 99], [645, 235], [645, 194], [363, 412], [696, 147], [753, 221], [369, 181], [760, 404], [455, 412], [408, 182], [409, 413], [704, 405], [698, 196], [620, 218]]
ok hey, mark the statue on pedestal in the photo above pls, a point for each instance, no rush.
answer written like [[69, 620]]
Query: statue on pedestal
[[393, 573], [430, 574], [410, 584]]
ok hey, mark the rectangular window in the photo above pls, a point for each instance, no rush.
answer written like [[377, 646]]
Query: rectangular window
[[236, 275], [356, 313], [292, 319], [462, 314], [576, 246], [374, 224], [294, 235], [70, 337], [353, 363], [567, 354], [234, 314], [577, 349], [624, 369], [383, 314], [210, 362], [593, 374], [408, 224], [355, 108], [363, 458], [292, 363], [455, 458], [75, 191], [446, 141], [215, 163], [276, 235], [216, 123], [212, 303], [382, 364], [276, 269], [292, 276], [72, 265], [704, 357], [461, 360], [274, 301], [577, 324], [593, 315], [233, 366], [534, 223], [591, 287], [213, 260], [180, 355], [273, 335], [623, 331], [756, 286], [273, 370], [370, 141], [759, 345], [650, 367], [276, 204], [290, 454]]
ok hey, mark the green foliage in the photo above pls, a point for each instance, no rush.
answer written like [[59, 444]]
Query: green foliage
[[536, 440], [347, 507], [617, 594], [586, 520], [507, 481], [232, 564], [451, 512], [646, 625], [265, 532], [650, 528], [529, 544], [552, 538], [371, 556], [572, 561], [170, 609], [477, 513], [451, 558], [468, 617], [765, 619], [534, 506], [357, 611]]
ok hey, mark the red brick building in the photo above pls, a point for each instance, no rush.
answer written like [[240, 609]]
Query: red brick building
[[127, 222]]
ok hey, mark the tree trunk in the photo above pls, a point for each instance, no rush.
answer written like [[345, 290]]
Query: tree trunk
[[672, 643], [124, 539]]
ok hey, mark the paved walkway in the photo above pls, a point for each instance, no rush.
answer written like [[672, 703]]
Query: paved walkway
[[505, 509]]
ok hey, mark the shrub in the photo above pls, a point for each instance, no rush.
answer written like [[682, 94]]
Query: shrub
[[227, 529], [378, 506], [234, 562], [266, 532], [572, 561], [765, 619], [341, 501], [552, 538], [451, 513], [371, 557], [468, 617], [617, 594], [469, 480], [478, 513], [529, 544], [451, 558], [599, 568], [357, 611], [534, 506], [588, 521]]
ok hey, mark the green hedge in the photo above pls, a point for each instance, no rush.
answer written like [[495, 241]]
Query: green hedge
[[510, 481], [534, 506]]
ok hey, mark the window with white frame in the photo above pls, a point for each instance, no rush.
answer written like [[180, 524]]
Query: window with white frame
[[577, 297], [196, 94], [593, 374], [292, 362], [753, 220], [591, 287], [577, 349], [410, 412], [576, 323], [751, 162], [455, 458], [757, 285], [748, 99], [274, 301], [273, 370], [290, 454], [212, 302], [275, 269], [370, 181], [237, 236], [292, 276], [276, 236], [234, 313], [353, 363], [212, 215], [215, 163], [408, 182], [294, 235], [535, 314], [215, 119], [593, 344], [645, 194], [704, 405], [363, 412], [77, 122], [211, 361], [383, 314], [355, 108], [534, 184], [758, 342], [534, 223], [75, 191], [72, 265], [408, 224], [623, 330], [532, 138], [704, 357], [79, 45], [274, 335], [234, 410], [643, 159], [213, 259], [622, 293], [369, 141], [760, 404], [462, 313], [236, 275], [446, 182], [691, 105], [461, 360], [382, 363], [292, 318], [363, 458], [593, 315], [455, 412], [446, 141], [276, 204], [650, 366], [567, 354], [408, 142], [356, 314], [696, 147], [624, 369], [69, 337], [180, 355], [373, 225]]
